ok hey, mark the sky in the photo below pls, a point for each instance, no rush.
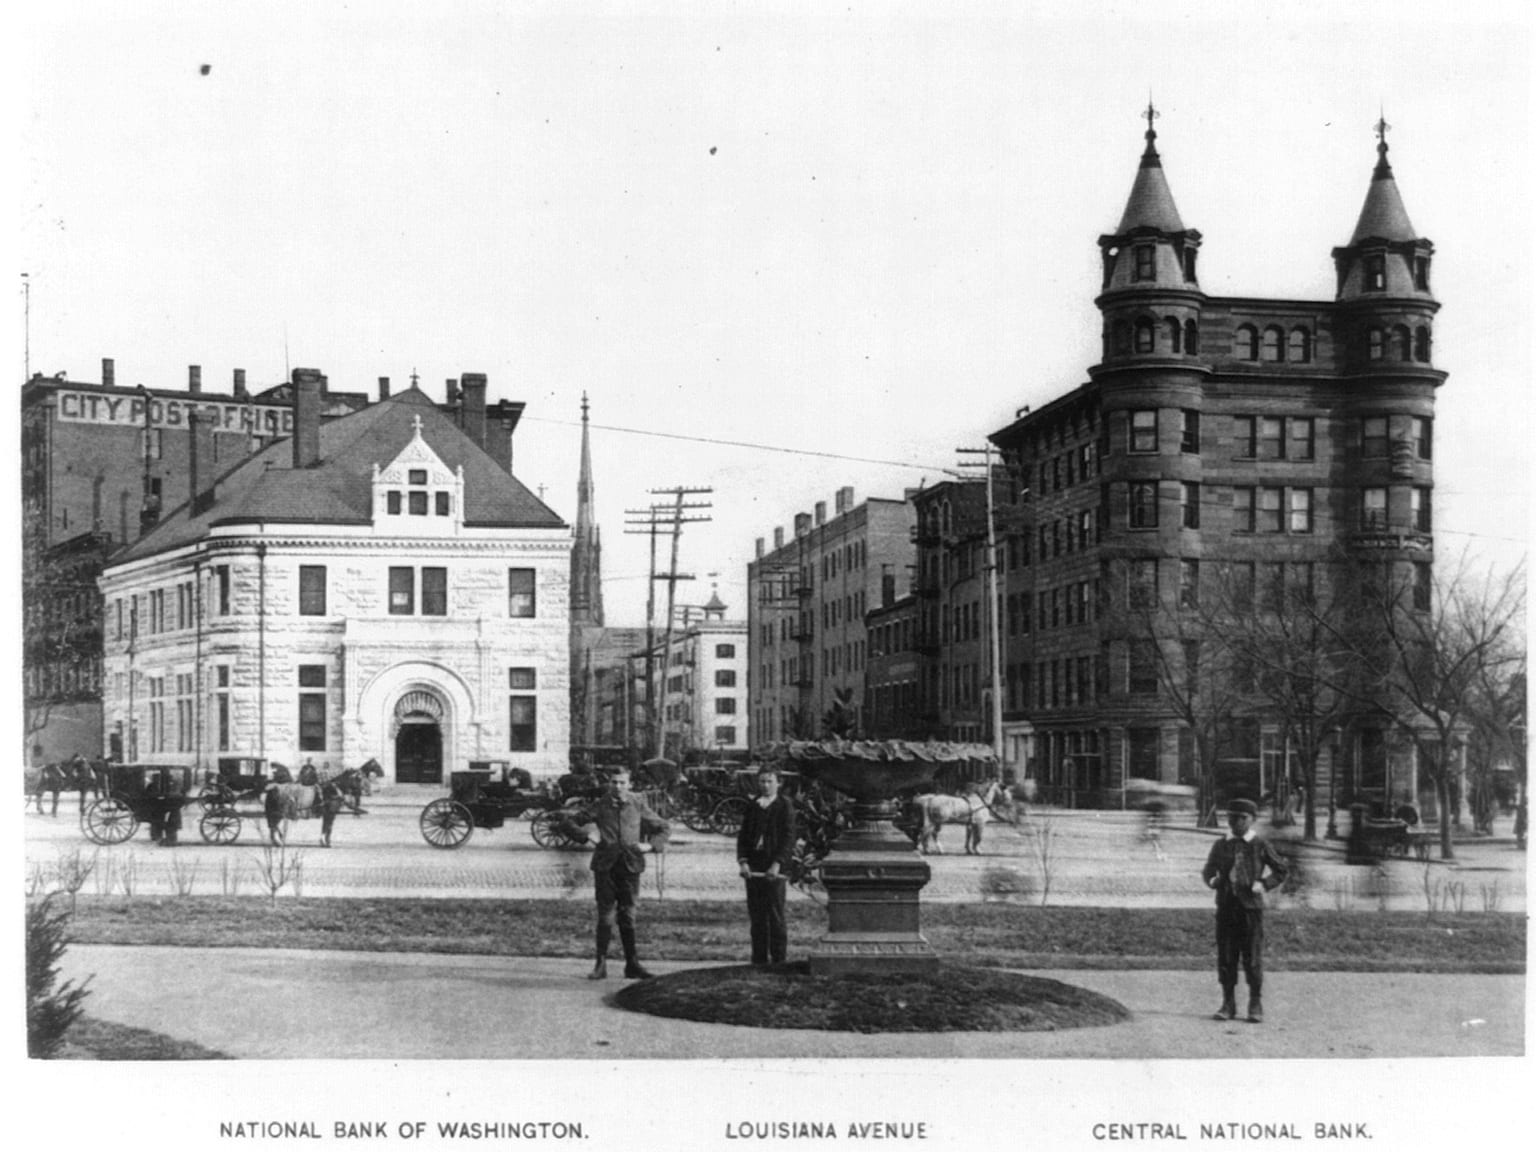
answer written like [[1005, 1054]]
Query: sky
[[855, 237]]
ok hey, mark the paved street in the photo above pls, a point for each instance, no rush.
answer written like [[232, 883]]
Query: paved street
[[1096, 859]]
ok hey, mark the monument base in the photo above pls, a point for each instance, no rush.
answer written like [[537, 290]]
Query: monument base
[[872, 911]]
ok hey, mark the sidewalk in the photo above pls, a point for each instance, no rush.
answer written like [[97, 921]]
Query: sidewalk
[[287, 1004]]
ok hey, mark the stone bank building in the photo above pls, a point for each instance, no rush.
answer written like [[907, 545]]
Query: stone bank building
[[379, 585]]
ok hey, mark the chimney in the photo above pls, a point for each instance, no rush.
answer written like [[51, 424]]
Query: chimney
[[194, 378], [802, 523], [821, 511], [108, 371], [240, 383], [453, 392], [845, 499], [474, 407], [200, 461], [308, 388], [778, 539], [759, 548], [383, 387]]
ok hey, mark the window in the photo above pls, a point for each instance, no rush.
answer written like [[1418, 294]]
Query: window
[[1144, 430], [1242, 510], [1421, 344], [1191, 333], [1144, 504], [1085, 527], [221, 588], [521, 598], [1189, 263], [1300, 444], [1375, 273], [522, 679], [1189, 583], [312, 712], [1373, 436], [1189, 435], [1142, 678], [392, 503], [1373, 508], [1175, 333], [1421, 587], [443, 503], [416, 503], [725, 734], [1423, 437], [523, 725], [434, 591], [1141, 753], [312, 590], [1421, 273], [1241, 576], [1271, 438], [1299, 510], [1146, 336], [1269, 509], [1422, 518], [725, 678], [1246, 344], [1299, 583], [725, 651], [1189, 503], [1146, 262], [1299, 348], [402, 591], [1272, 346], [221, 707], [1191, 667], [1141, 584], [1245, 436], [725, 705], [1375, 344], [1402, 343]]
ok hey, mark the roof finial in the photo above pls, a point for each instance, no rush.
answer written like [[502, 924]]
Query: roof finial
[[1149, 158], [414, 377], [1382, 128]]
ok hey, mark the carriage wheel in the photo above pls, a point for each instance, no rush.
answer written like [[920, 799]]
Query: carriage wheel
[[727, 815], [544, 827], [695, 813], [212, 796], [220, 826], [109, 821], [446, 824]]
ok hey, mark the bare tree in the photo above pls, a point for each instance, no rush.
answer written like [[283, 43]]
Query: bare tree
[[61, 622]]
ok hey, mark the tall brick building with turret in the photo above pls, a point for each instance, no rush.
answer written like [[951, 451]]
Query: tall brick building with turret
[[1265, 436]]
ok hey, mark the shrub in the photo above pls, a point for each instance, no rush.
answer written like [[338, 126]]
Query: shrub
[[51, 1008]]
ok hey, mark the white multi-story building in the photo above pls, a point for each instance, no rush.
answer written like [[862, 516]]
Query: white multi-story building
[[377, 587], [704, 689]]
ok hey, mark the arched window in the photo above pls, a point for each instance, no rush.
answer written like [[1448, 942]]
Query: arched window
[[1375, 344], [1273, 347], [1402, 348], [1122, 337], [1421, 344], [1191, 337], [1300, 349], [1247, 344], [1146, 336], [1175, 332]]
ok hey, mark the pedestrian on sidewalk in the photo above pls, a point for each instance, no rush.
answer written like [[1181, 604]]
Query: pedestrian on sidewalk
[[764, 846], [626, 826], [1241, 868]]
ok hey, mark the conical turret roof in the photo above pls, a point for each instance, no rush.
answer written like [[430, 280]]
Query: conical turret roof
[[1382, 216], [1151, 204]]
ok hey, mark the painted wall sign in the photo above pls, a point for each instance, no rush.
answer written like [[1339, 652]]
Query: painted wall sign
[[128, 412]]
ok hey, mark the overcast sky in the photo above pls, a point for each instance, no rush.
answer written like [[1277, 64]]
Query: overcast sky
[[854, 230]]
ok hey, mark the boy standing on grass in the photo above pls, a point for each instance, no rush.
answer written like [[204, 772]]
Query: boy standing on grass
[[625, 827], [1241, 868]]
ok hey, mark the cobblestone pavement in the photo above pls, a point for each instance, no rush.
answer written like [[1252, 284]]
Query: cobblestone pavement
[[1098, 859]]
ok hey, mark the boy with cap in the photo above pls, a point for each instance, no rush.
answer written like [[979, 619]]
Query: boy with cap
[[1241, 868]]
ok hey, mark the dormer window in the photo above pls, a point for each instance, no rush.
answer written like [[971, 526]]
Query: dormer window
[[1375, 273], [1421, 273], [417, 493], [1189, 264], [1146, 262]]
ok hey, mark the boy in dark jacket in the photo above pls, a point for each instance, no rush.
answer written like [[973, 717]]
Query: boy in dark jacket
[[764, 847], [1241, 868]]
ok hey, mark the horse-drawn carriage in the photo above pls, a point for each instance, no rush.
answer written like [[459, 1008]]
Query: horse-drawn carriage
[[714, 799], [247, 787], [152, 794], [490, 792]]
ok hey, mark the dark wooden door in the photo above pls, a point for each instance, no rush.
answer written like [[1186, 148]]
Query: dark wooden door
[[419, 754]]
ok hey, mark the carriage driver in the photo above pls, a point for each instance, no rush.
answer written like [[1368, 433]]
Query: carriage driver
[[625, 827]]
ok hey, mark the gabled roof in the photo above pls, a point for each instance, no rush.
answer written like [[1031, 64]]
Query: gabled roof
[[267, 489]]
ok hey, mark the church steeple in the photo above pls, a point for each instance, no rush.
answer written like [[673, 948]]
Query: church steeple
[[587, 550]]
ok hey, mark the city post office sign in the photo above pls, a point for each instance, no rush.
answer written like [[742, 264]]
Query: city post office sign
[[128, 412]]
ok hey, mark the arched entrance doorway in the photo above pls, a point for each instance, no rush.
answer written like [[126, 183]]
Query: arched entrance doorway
[[419, 739]]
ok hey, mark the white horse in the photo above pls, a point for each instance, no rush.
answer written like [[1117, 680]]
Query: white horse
[[979, 805]]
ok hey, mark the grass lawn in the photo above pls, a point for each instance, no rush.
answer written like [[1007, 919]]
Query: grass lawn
[[999, 935]]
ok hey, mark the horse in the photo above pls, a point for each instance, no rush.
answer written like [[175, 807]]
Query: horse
[[45, 778], [323, 798], [974, 809], [368, 771]]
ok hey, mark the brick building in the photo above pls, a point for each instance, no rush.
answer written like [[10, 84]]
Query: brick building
[[806, 603], [895, 708], [378, 586], [1263, 437]]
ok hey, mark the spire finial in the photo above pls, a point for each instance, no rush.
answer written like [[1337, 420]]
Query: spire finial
[[1381, 128], [414, 377], [583, 407], [1149, 157]]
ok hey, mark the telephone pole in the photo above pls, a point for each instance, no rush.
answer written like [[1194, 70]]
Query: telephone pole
[[660, 516]]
